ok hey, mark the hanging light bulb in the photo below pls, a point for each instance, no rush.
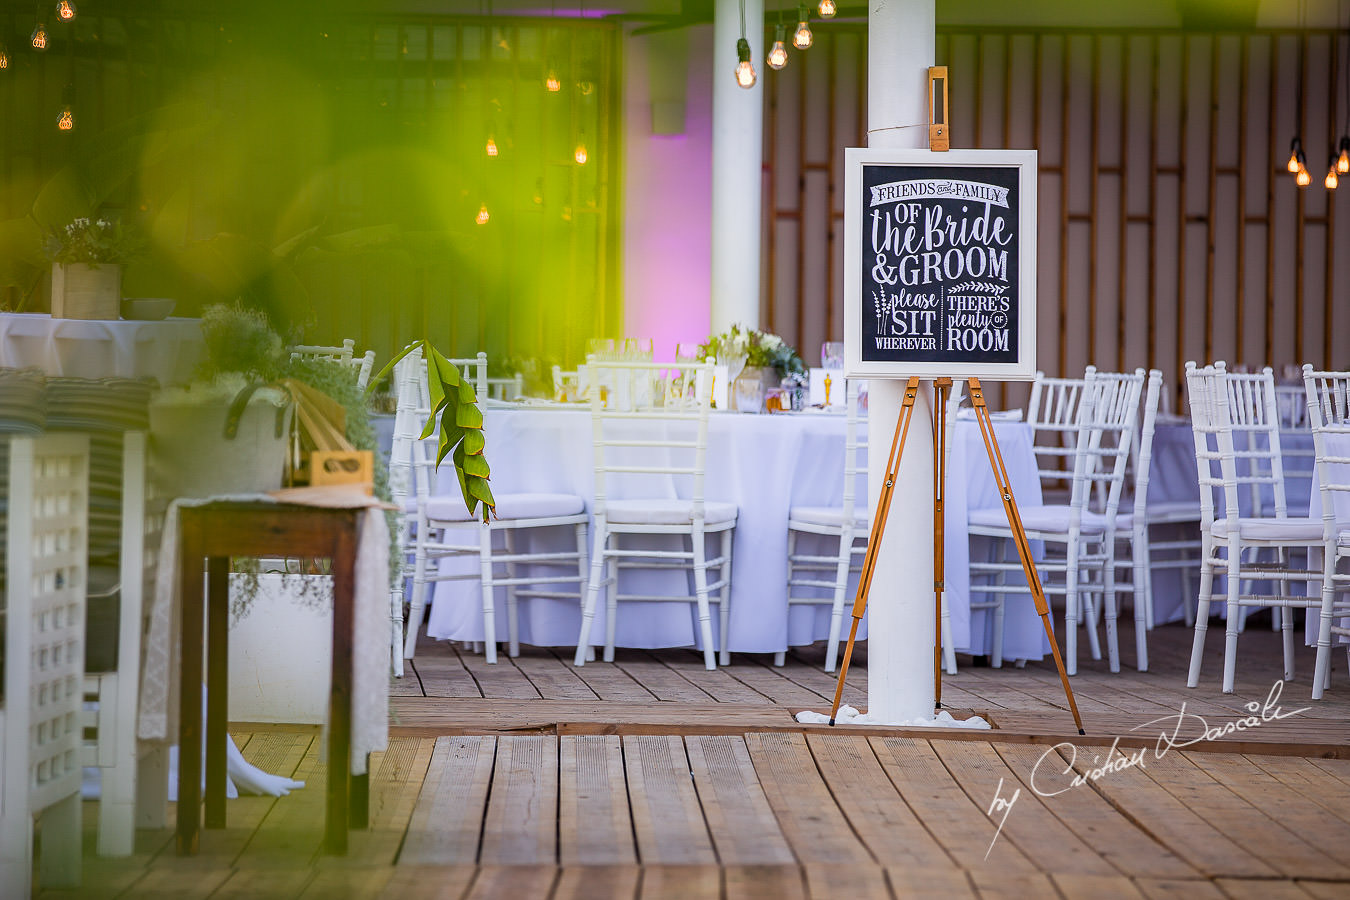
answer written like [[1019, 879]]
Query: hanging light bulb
[[745, 69], [65, 119], [778, 55], [4, 57], [1303, 179], [580, 154], [1342, 161], [1331, 180], [65, 10], [491, 146], [551, 82], [1295, 151], [39, 37], [483, 216], [826, 9], [802, 37]]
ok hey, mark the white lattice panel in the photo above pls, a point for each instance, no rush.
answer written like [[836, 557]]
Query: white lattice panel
[[45, 598]]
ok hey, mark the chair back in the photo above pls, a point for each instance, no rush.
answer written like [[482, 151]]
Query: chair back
[[1053, 414], [1327, 396], [362, 366], [1298, 456], [855, 454], [1143, 454], [1108, 416], [1236, 425], [660, 452], [505, 389]]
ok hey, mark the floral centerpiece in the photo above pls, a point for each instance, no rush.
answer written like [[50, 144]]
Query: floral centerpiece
[[759, 349], [87, 257]]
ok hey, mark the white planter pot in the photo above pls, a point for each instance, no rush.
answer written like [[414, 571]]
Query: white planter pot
[[192, 457], [281, 654]]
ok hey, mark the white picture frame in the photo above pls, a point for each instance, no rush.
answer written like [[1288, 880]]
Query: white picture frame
[[914, 168]]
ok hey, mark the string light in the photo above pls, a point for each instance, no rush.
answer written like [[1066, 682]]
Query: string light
[[551, 82], [483, 215], [580, 154], [39, 38], [745, 69], [4, 57], [1303, 179], [826, 9], [491, 146], [65, 119], [1342, 161], [802, 37], [778, 55], [1331, 180], [65, 10], [1295, 151]]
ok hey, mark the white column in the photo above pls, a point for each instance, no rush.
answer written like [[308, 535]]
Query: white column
[[738, 155], [901, 621]]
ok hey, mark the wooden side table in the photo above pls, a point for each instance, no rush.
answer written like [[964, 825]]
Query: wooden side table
[[208, 536]]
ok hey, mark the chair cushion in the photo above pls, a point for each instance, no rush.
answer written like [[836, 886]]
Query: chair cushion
[[830, 516], [1300, 530], [666, 512], [450, 508], [1040, 518]]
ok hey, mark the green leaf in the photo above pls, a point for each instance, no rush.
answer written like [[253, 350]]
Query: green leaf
[[466, 393], [474, 465], [469, 416], [449, 375], [474, 441], [380, 376]]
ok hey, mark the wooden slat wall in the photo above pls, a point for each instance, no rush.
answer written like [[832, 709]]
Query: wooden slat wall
[[1169, 229]]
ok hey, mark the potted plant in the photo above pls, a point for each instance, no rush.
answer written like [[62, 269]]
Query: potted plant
[[87, 257], [766, 357]]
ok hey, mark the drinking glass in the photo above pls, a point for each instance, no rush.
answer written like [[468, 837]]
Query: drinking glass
[[832, 355], [601, 348], [749, 395]]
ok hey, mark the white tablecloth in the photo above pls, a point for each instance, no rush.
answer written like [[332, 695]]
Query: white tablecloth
[[100, 348], [764, 464]]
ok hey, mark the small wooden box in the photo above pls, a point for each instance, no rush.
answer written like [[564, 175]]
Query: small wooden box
[[342, 467]]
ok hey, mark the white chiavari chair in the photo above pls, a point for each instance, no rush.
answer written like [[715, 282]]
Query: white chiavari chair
[[1327, 395], [655, 452], [345, 354], [1236, 425]]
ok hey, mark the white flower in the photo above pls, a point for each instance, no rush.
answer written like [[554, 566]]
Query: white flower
[[102, 223]]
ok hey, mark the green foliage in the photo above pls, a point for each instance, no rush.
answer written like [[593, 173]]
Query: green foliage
[[93, 242], [240, 340], [455, 414], [759, 348]]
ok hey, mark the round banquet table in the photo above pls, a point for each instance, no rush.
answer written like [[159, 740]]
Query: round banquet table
[[765, 464], [166, 350]]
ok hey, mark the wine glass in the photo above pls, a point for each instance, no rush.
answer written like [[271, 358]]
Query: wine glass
[[832, 355]]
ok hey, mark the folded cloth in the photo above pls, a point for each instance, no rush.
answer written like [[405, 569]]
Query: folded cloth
[[370, 665]]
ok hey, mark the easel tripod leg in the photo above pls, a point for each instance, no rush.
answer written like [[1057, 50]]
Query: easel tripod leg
[[1020, 536], [943, 388]]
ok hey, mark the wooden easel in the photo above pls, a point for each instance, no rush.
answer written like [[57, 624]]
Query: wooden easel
[[943, 387]]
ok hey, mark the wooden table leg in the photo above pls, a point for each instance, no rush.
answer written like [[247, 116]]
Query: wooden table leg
[[190, 575], [360, 794], [340, 698], [217, 685]]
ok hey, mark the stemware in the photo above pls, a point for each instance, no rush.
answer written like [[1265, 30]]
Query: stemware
[[832, 355]]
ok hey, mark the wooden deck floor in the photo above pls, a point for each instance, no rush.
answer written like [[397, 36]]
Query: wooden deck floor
[[684, 801]]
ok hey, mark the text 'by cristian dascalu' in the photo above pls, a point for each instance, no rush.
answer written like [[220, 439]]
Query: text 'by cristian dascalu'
[[942, 272]]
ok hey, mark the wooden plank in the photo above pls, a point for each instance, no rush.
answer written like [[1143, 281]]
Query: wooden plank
[[955, 822], [180, 880], [1325, 890], [662, 681], [1177, 889], [1263, 835], [993, 884], [521, 825], [1243, 889], [764, 882], [396, 779], [667, 819], [251, 883], [846, 880], [441, 676], [739, 817], [428, 882], [594, 826], [719, 684], [1297, 813], [807, 813], [445, 823], [662, 882], [1098, 887], [497, 881], [279, 753], [591, 882], [292, 830], [1170, 821], [1042, 837], [766, 681], [347, 882], [1310, 781], [610, 682], [553, 679], [497, 681], [1132, 850], [875, 810], [929, 883]]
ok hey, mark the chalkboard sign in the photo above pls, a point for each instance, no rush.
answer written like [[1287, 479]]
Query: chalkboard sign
[[940, 263]]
